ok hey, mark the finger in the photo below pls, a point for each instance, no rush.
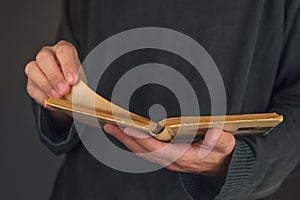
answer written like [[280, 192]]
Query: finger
[[226, 143], [67, 56], [157, 151], [149, 143], [124, 138], [48, 65], [136, 133], [35, 75], [34, 92], [152, 149], [210, 140]]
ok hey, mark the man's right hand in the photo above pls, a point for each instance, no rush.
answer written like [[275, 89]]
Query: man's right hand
[[53, 72]]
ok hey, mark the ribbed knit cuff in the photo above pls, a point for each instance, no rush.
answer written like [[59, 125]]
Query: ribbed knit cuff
[[200, 187], [236, 185]]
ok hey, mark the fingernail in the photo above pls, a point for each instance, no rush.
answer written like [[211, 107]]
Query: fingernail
[[62, 87], [54, 94], [70, 78]]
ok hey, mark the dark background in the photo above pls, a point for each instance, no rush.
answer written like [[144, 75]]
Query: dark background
[[27, 168]]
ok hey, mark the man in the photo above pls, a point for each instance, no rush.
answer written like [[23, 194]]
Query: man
[[255, 45]]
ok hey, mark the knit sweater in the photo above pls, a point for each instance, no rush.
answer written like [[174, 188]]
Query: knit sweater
[[256, 47]]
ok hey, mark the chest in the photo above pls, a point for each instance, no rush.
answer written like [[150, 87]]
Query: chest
[[243, 39]]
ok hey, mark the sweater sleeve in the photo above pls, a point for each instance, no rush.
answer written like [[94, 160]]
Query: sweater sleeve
[[278, 153], [58, 139], [235, 185], [260, 164]]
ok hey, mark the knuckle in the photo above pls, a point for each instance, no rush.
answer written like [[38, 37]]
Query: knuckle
[[62, 42], [43, 54], [46, 48], [29, 67], [63, 46]]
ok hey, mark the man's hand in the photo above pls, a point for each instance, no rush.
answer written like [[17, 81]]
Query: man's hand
[[53, 72], [208, 157]]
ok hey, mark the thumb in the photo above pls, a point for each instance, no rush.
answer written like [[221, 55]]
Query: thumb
[[210, 140]]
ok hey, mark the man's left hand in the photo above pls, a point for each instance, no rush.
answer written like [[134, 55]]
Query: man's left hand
[[210, 156]]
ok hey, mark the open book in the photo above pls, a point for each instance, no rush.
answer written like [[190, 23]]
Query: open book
[[86, 105]]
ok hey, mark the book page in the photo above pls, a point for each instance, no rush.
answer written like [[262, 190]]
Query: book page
[[81, 100]]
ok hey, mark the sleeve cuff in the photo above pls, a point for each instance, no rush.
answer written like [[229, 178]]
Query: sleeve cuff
[[236, 185], [57, 141], [239, 180], [200, 187]]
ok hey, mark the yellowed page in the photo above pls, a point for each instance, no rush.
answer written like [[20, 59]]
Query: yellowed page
[[104, 111], [84, 98]]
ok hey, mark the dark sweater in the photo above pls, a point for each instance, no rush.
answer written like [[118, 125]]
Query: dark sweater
[[256, 46]]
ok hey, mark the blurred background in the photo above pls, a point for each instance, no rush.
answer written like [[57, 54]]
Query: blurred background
[[27, 168]]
